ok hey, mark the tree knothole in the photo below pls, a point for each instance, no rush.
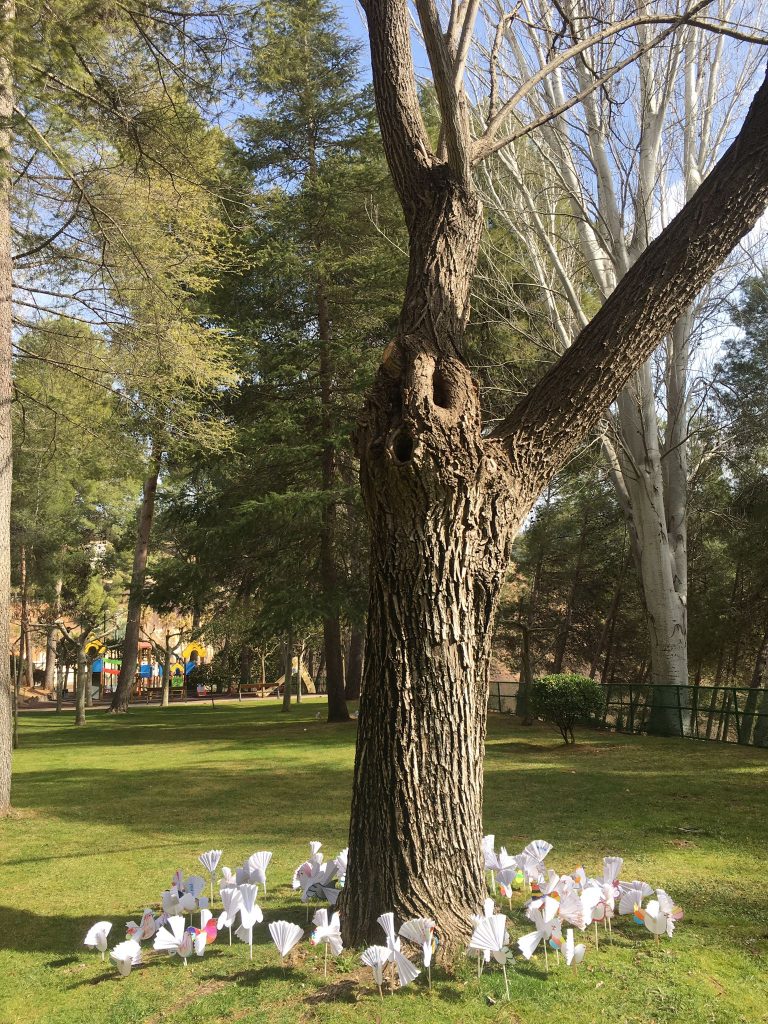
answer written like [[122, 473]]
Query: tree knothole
[[403, 446], [442, 392]]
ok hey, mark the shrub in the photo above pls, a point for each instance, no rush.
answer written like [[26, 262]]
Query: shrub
[[566, 700]]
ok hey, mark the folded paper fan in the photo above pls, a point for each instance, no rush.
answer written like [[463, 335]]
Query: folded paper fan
[[387, 922], [250, 911], [232, 900], [314, 848], [377, 958], [612, 868], [327, 932], [285, 935], [573, 954], [97, 936], [544, 915], [420, 930], [331, 894], [126, 955], [577, 907], [491, 936], [538, 849], [632, 895], [257, 865], [210, 860], [668, 906], [175, 939], [406, 971]]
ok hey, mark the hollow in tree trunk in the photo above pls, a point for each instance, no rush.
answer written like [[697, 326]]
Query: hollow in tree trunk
[[125, 680]]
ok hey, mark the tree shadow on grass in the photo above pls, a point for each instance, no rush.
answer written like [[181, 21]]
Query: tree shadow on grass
[[158, 726]]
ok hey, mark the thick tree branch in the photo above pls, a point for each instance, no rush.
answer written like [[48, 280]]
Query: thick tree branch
[[405, 138], [555, 417], [455, 127]]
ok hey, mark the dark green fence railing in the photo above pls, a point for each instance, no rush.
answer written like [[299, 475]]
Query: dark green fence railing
[[726, 714]]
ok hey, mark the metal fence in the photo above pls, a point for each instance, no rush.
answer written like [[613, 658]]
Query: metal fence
[[728, 714]]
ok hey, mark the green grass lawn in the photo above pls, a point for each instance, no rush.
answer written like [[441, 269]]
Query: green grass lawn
[[107, 813]]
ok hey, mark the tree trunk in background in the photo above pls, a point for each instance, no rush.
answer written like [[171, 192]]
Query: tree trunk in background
[[610, 618], [661, 569], [288, 672], [523, 702], [50, 643], [61, 669], [49, 682], [756, 684], [24, 676], [7, 14], [354, 672], [334, 654], [130, 653], [562, 639], [80, 685], [299, 662], [165, 698]]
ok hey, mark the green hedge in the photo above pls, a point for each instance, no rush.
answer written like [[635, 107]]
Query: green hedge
[[566, 700]]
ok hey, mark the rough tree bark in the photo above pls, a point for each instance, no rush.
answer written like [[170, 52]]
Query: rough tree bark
[[7, 14], [444, 500], [125, 680]]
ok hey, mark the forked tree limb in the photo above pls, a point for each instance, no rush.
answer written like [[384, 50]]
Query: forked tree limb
[[557, 414]]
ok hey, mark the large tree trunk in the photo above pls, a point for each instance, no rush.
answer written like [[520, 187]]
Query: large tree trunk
[[354, 673], [136, 593], [443, 499], [440, 509], [7, 13]]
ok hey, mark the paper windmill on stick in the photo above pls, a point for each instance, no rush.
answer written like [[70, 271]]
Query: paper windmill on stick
[[543, 914], [659, 915], [327, 932], [421, 931], [377, 958], [175, 939], [257, 865], [632, 895], [250, 914], [97, 936], [285, 935], [232, 900], [483, 955], [210, 861], [491, 936], [573, 954], [126, 955]]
